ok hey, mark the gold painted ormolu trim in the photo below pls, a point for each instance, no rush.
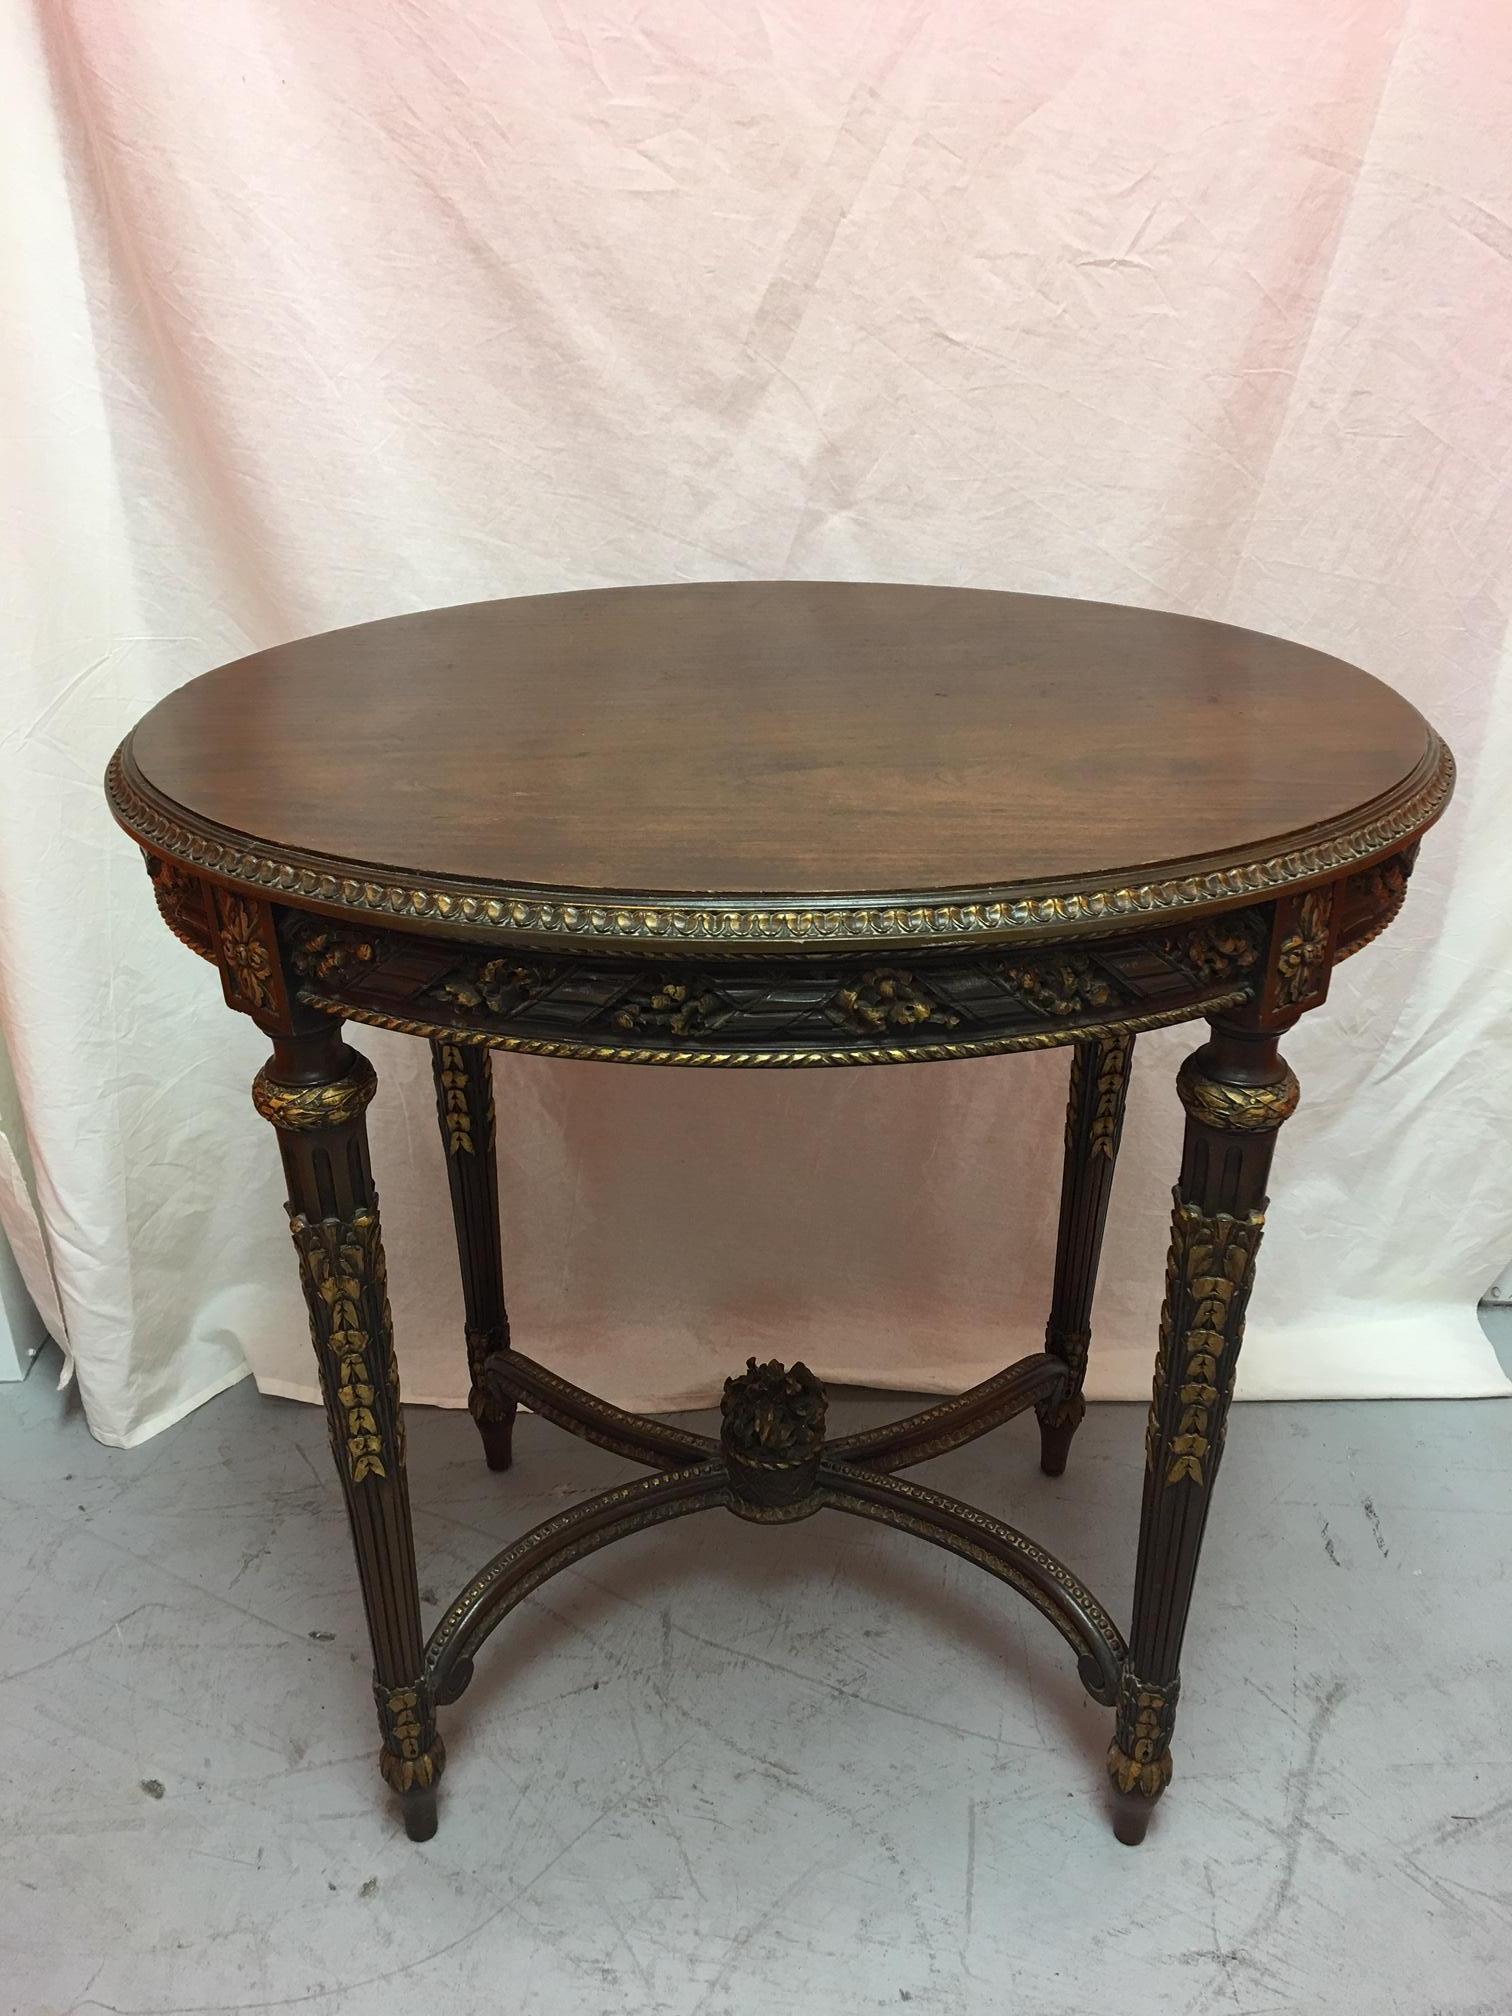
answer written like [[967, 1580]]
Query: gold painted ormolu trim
[[1008, 913], [1236, 1109], [305, 1109]]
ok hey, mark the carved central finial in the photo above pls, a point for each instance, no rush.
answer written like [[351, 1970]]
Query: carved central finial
[[773, 1434]]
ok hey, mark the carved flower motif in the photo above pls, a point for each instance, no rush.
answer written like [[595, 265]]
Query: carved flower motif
[[673, 1007], [328, 952], [244, 954], [502, 986], [1214, 952], [1303, 952], [773, 1412], [887, 998], [1065, 985]]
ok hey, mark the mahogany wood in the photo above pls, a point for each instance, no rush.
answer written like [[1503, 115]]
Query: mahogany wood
[[465, 1112], [781, 825], [1094, 1127], [769, 740]]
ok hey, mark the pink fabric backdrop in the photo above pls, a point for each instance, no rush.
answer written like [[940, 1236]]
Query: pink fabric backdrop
[[328, 312]]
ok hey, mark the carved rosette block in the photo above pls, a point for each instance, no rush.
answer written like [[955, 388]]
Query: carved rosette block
[[772, 1439], [246, 957], [413, 1755], [1302, 957]]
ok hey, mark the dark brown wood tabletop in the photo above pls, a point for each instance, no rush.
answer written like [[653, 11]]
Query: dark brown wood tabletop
[[793, 737]]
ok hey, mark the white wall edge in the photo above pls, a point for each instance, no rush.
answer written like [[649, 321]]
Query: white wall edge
[[22, 1332]]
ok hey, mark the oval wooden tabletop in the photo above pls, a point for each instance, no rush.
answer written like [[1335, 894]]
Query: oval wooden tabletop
[[777, 743]]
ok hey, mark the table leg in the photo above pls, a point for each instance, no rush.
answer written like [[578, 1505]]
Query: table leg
[[315, 1091], [465, 1109], [1094, 1124], [1237, 1091]]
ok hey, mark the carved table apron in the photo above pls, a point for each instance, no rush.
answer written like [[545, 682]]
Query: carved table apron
[[309, 930]]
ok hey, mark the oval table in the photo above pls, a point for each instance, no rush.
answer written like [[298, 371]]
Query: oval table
[[768, 825]]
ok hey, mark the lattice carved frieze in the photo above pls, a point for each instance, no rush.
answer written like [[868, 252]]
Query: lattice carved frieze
[[761, 1009]]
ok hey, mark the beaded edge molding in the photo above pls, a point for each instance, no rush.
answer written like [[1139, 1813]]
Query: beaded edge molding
[[1407, 810]]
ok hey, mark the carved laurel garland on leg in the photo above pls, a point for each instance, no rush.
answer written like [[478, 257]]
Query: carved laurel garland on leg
[[413, 1754], [1209, 1273], [341, 1263], [1139, 1757], [1112, 1083], [456, 1113]]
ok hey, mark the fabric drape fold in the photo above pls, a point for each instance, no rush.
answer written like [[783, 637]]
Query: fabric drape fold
[[322, 314]]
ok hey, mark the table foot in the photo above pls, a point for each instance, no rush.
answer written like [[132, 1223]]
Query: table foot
[[413, 1755], [498, 1442], [1057, 1425], [1131, 1817], [420, 1814]]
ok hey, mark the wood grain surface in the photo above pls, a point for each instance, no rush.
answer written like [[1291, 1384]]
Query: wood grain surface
[[750, 737]]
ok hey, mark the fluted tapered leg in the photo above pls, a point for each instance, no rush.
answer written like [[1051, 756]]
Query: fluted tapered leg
[[1237, 1091], [315, 1091], [465, 1109], [1094, 1125]]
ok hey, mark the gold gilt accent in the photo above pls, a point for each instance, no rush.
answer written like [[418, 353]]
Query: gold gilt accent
[[1112, 1083], [1303, 958], [671, 1006], [412, 1754], [455, 1110], [1139, 1757], [502, 986], [346, 1289], [1236, 1109], [304, 1109], [887, 998], [1208, 1278], [1397, 815], [1216, 951], [1075, 1094], [1068, 984], [324, 951], [244, 955]]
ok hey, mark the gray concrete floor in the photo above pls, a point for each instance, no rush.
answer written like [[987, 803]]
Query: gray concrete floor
[[720, 1769]]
